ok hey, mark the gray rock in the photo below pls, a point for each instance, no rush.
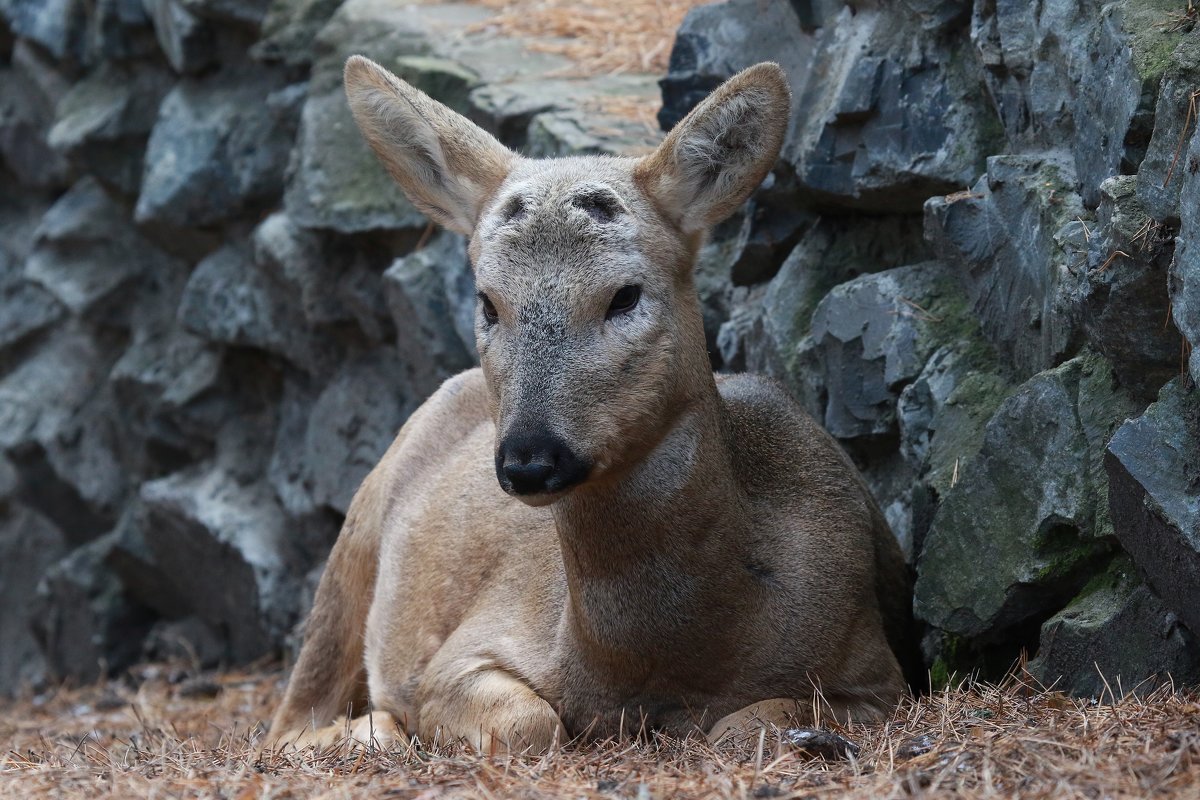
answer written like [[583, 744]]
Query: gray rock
[[1115, 636], [245, 12], [187, 41], [336, 182], [207, 530], [103, 121], [1155, 497], [57, 25], [29, 544], [190, 640], [142, 578], [1161, 175], [25, 308], [431, 294], [1019, 248], [873, 335], [327, 443], [86, 249], [1184, 280], [1125, 291], [334, 280], [85, 625], [228, 300], [25, 118], [289, 28], [217, 149], [765, 326], [1031, 506]]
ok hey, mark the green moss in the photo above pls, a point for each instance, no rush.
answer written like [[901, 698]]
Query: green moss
[[1153, 44]]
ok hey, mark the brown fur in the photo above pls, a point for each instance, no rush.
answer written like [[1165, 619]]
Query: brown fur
[[722, 566]]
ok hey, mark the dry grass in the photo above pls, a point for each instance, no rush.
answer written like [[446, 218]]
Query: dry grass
[[164, 739], [598, 36]]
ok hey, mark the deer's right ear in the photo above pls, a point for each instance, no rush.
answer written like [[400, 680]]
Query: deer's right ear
[[720, 152], [446, 164]]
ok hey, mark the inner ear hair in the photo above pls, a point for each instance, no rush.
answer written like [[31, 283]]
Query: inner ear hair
[[721, 151]]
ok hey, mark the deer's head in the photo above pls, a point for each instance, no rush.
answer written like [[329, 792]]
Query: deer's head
[[587, 322]]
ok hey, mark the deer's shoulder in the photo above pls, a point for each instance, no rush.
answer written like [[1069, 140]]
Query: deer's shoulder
[[783, 456]]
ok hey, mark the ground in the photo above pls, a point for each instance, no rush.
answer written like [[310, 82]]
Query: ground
[[162, 731]]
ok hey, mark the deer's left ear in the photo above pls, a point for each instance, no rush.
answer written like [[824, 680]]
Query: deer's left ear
[[719, 153]]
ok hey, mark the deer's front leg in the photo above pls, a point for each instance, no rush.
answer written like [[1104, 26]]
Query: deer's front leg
[[785, 713], [489, 709]]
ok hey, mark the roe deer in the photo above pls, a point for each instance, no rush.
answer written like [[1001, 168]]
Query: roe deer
[[664, 548]]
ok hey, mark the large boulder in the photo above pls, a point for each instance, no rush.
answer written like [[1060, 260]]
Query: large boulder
[[1125, 291], [102, 123], [1032, 506], [86, 249], [882, 117], [29, 544], [219, 148], [1161, 175], [1154, 471], [431, 294], [1184, 280], [1018, 245], [226, 544], [1113, 637]]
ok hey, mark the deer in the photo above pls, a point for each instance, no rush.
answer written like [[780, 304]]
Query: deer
[[591, 533]]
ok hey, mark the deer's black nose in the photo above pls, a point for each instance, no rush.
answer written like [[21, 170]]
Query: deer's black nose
[[537, 463]]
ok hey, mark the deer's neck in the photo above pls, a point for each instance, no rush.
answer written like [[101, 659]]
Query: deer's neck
[[647, 556]]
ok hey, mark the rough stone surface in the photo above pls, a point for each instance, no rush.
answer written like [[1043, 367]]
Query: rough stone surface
[[208, 530], [1017, 242], [1184, 281], [188, 43], [1031, 506], [1126, 291], [1154, 466], [25, 307], [1114, 637], [29, 544], [431, 294], [219, 148]]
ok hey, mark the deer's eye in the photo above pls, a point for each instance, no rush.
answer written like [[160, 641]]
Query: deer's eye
[[624, 301], [489, 310]]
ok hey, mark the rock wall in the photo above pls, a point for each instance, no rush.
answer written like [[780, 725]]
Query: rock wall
[[976, 263]]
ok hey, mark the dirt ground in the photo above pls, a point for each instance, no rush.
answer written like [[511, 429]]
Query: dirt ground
[[158, 733]]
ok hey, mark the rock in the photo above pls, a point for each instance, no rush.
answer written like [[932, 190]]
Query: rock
[[1155, 497], [57, 25], [1031, 505], [118, 30], [190, 640], [329, 441], [1160, 175], [1115, 636], [765, 326], [1018, 245], [873, 335], [25, 117], [1125, 295], [1183, 283], [187, 41], [820, 742], [245, 12], [335, 280], [431, 294], [86, 250], [85, 625], [710, 46], [25, 307], [336, 182], [289, 27], [29, 544], [142, 578], [573, 132], [57, 426], [229, 301], [857, 80], [103, 121], [206, 529], [217, 149]]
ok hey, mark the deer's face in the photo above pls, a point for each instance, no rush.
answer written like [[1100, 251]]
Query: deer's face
[[582, 286], [586, 319]]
